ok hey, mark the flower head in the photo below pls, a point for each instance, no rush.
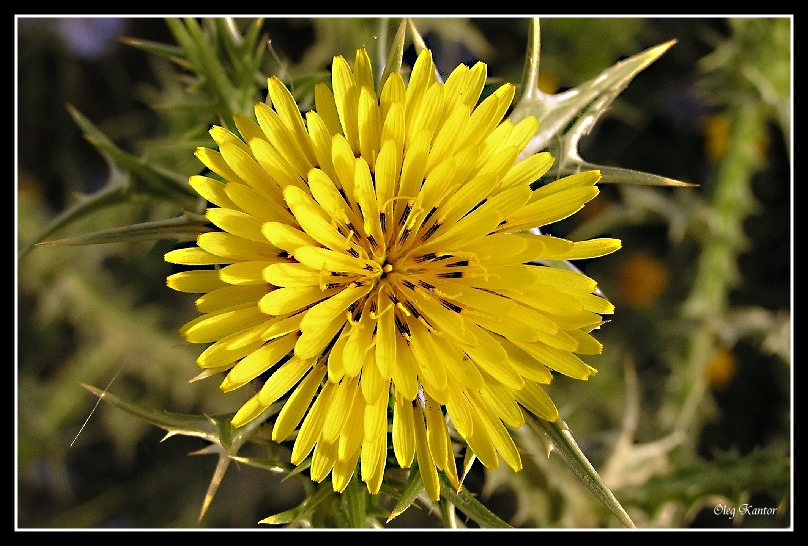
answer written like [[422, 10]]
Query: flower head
[[373, 266]]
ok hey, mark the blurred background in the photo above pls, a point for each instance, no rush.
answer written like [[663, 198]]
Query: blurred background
[[690, 414]]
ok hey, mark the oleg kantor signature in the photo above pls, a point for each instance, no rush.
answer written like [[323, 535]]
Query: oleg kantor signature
[[743, 510]]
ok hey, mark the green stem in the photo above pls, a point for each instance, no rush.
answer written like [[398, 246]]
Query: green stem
[[731, 202]]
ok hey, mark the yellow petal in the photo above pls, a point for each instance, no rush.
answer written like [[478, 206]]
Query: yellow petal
[[291, 274], [212, 190], [283, 379], [248, 128], [336, 366], [501, 400], [311, 218], [350, 440], [246, 273], [286, 107], [321, 142], [394, 126], [334, 306], [321, 259], [421, 79], [403, 432], [229, 349], [326, 108], [346, 97], [194, 256], [251, 409], [491, 358], [214, 161], [214, 326], [276, 164], [429, 474], [288, 300], [393, 92], [312, 425], [445, 143], [283, 139], [499, 437], [375, 387], [257, 205], [341, 407], [198, 281], [535, 400], [357, 345], [435, 432], [428, 113], [459, 410], [343, 470], [587, 345], [258, 362], [525, 365], [312, 343], [323, 459], [247, 169], [480, 441], [228, 296], [577, 180], [550, 209], [375, 438], [285, 236], [235, 248], [528, 170], [327, 195], [386, 335], [297, 404], [369, 125], [561, 361], [432, 372], [235, 222], [403, 370]]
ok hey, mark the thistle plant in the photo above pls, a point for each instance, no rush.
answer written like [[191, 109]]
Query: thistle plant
[[371, 249]]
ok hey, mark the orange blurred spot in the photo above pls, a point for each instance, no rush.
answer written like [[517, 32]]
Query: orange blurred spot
[[716, 131], [721, 367], [641, 279], [548, 83]]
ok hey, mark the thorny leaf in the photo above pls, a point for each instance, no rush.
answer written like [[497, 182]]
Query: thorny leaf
[[558, 439], [566, 117]]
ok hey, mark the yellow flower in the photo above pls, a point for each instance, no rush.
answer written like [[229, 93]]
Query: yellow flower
[[373, 265]]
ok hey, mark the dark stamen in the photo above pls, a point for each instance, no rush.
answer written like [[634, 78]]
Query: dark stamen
[[404, 215], [429, 215], [402, 326], [478, 205], [344, 196], [430, 231]]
